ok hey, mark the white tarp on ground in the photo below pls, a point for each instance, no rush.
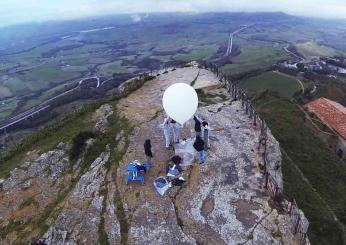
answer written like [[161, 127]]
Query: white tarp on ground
[[186, 151], [161, 185]]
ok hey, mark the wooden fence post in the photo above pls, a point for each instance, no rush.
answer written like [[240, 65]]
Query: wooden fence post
[[297, 225]]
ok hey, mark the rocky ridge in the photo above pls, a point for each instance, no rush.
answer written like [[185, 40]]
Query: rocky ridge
[[223, 202]]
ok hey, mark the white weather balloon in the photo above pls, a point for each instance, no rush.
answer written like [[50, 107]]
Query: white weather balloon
[[180, 102]]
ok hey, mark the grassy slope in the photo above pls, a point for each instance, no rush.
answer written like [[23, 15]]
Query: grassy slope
[[311, 49], [284, 85], [47, 138], [321, 167], [254, 57]]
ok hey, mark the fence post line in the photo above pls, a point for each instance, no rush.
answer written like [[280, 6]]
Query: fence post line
[[276, 191], [291, 207], [251, 111], [238, 93], [297, 225], [247, 106]]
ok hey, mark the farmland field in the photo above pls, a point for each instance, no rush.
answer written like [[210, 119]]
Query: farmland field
[[254, 58], [284, 85], [66, 52], [312, 50]]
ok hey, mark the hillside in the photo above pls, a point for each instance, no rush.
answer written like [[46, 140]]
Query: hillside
[[84, 199], [56, 56]]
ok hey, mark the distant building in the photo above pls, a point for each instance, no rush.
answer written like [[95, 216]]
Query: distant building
[[314, 67], [333, 116]]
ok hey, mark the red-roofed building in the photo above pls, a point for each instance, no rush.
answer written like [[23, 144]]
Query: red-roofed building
[[333, 115]]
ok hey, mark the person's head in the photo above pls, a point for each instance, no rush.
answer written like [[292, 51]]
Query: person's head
[[147, 142], [205, 124], [176, 159]]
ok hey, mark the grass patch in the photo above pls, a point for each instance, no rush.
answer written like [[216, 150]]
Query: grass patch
[[103, 238], [311, 49], [10, 227], [47, 138], [323, 169], [207, 98], [79, 144], [323, 228], [284, 85], [194, 80], [254, 58], [27, 202]]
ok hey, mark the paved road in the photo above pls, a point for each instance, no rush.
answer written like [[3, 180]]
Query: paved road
[[230, 39], [24, 117], [291, 53], [41, 107]]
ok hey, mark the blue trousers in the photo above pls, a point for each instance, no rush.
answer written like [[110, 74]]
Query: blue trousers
[[201, 157]]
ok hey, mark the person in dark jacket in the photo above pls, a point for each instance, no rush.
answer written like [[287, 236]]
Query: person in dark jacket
[[147, 150], [198, 128], [176, 159], [206, 134], [199, 147]]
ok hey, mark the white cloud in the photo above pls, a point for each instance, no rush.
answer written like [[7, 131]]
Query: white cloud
[[16, 11], [136, 18]]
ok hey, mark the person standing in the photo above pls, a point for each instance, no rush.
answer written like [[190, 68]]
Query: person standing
[[206, 134], [199, 147], [176, 131], [147, 151], [198, 128], [167, 131]]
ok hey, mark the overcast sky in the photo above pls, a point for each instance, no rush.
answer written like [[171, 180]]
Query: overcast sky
[[19, 11]]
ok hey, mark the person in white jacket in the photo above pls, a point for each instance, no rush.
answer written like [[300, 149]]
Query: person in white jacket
[[167, 131], [176, 131]]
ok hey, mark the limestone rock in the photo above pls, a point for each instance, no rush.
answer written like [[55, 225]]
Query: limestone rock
[[101, 116], [224, 201], [81, 215]]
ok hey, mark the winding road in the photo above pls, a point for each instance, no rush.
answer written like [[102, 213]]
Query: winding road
[[230, 39], [41, 107]]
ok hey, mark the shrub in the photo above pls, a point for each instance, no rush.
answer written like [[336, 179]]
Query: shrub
[[78, 143]]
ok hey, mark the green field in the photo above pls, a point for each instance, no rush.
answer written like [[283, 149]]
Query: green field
[[284, 85], [200, 53], [324, 193], [7, 107], [63, 53], [254, 58], [312, 50], [4, 92]]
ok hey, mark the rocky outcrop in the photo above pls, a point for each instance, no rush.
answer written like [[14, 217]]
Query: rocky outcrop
[[274, 159], [79, 219], [101, 117], [31, 188], [223, 201]]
